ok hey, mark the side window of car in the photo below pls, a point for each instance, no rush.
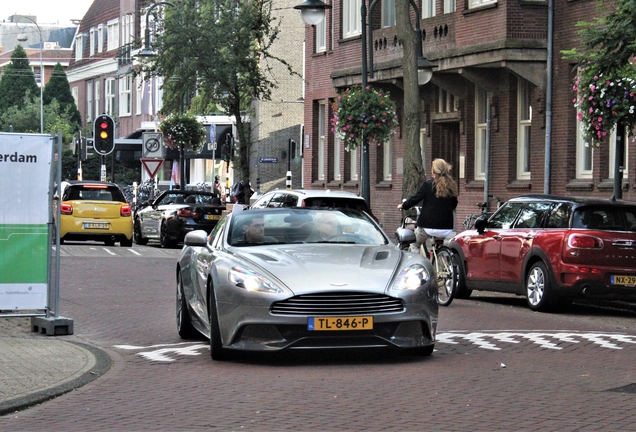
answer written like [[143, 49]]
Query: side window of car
[[290, 200], [216, 235], [262, 202], [531, 215], [505, 216], [278, 200], [559, 217]]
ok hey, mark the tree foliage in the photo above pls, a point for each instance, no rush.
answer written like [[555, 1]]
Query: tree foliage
[[605, 84], [17, 81], [220, 50], [59, 89]]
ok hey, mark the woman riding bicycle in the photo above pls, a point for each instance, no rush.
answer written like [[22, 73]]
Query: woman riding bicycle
[[439, 199]]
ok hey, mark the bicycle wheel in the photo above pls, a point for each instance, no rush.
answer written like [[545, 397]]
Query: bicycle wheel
[[445, 265]]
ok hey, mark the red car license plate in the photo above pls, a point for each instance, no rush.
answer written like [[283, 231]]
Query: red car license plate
[[340, 323], [623, 280]]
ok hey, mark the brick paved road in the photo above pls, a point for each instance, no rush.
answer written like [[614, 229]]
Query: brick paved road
[[468, 384]]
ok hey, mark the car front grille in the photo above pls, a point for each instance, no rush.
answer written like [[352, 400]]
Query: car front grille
[[341, 303]]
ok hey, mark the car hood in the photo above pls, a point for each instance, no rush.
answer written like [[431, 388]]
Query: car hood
[[311, 268]]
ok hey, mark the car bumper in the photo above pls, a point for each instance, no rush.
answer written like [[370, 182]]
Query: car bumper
[[596, 283], [72, 228]]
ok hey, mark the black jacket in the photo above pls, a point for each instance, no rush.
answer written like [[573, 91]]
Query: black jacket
[[436, 212]]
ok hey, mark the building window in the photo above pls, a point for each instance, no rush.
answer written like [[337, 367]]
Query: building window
[[446, 102], [321, 140], [127, 35], [321, 36], [79, 46], [387, 161], [113, 35], [449, 6], [584, 154], [612, 153], [388, 13], [477, 3], [89, 103], [138, 95], [337, 148], [481, 126], [100, 38], [93, 41], [97, 98], [428, 8], [75, 94], [351, 18], [109, 89], [125, 95], [524, 110]]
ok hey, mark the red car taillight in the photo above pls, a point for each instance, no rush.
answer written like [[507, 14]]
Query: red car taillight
[[66, 209], [124, 210], [584, 241], [186, 213]]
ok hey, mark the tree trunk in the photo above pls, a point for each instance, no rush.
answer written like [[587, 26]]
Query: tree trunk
[[414, 173]]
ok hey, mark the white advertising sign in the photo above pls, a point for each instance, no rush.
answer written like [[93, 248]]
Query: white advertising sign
[[25, 169]]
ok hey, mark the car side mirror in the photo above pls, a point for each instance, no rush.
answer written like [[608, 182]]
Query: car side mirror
[[481, 224]]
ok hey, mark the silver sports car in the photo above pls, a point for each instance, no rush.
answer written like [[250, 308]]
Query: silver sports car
[[303, 278]]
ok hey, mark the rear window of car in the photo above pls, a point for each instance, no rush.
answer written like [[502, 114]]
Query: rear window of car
[[331, 202], [74, 193], [611, 218]]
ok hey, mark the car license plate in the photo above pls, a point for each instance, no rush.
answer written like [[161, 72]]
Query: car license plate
[[212, 217], [340, 323], [623, 280], [96, 225]]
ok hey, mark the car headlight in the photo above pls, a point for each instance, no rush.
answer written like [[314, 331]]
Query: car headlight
[[252, 281], [411, 278]]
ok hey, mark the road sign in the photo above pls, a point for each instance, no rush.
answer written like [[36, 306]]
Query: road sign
[[152, 166], [152, 144]]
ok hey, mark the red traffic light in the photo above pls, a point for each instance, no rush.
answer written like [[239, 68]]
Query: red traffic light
[[103, 125]]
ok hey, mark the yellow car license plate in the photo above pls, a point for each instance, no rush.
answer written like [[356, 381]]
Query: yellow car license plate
[[623, 280], [212, 217], [340, 323], [96, 225]]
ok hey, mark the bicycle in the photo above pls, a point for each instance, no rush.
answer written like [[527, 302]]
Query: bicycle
[[443, 259]]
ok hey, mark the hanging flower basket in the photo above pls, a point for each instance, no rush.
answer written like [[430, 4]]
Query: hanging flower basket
[[183, 131], [363, 112], [604, 99]]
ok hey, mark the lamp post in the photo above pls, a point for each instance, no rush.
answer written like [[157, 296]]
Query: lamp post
[[23, 38], [313, 12]]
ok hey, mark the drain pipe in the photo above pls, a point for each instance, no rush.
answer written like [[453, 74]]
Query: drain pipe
[[548, 101], [487, 155]]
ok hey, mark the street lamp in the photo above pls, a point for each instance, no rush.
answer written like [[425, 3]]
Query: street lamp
[[23, 38], [313, 12], [148, 52]]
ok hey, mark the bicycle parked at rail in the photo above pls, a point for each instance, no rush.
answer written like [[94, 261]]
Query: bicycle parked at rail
[[443, 260]]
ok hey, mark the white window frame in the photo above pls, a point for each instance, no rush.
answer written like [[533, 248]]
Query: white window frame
[[337, 148], [322, 144], [79, 46], [97, 97], [450, 6], [472, 4], [353, 164], [584, 154], [524, 124], [612, 153], [75, 94], [109, 96], [113, 35], [92, 41], [351, 18], [101, 30], [428, 8], [139, 86], [423, 146], [387, 161], [388, 13], [127, 35], [481, 126], [89, 103], [125, 95], [321, 36]]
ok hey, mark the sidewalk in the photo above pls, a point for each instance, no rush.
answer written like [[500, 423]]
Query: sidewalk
[[35, 368]]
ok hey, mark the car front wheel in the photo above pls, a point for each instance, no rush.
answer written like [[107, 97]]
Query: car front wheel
[[217, 352], [184, 323], [539, 290]]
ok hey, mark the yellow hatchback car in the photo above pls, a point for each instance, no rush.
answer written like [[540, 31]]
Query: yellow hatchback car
[[94, 210]]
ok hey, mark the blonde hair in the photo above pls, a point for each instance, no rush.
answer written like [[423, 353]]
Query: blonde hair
[[445, 186]]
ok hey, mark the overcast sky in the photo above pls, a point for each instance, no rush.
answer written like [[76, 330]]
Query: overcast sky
[[47, 11]]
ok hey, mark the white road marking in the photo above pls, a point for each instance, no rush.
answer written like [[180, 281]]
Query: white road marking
[[134, 251], [109, 251], [486, 340]]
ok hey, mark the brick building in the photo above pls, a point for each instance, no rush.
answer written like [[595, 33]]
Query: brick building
[[487, 96]]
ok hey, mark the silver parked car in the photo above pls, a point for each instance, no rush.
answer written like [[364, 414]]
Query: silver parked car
[[303, 278]]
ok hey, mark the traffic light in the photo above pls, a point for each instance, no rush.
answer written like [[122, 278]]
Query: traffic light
[[104, 135]]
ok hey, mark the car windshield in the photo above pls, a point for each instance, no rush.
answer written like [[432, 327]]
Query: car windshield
[[611, 218], [187, 198], [302, 225]]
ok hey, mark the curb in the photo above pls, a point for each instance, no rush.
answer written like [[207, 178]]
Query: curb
[[103, 363]]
